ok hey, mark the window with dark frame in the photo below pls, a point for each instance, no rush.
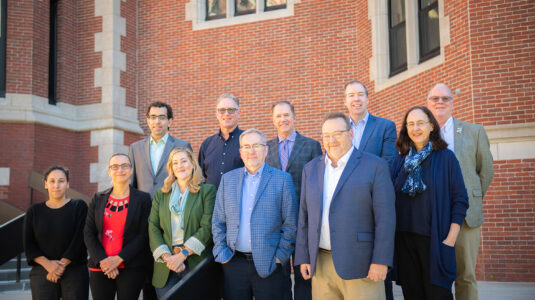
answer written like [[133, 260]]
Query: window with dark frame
[[216, 9], [274, 4], [3, 31], [245, 7], [429, 32], [397, 36], [52, 54]]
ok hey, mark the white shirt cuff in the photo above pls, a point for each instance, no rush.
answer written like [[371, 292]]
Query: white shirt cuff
[[158, 252], [195, 245]]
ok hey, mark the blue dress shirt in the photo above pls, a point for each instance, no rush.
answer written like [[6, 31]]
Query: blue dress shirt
[[156, 151], [290, 142], [249, 190], [358, 129]]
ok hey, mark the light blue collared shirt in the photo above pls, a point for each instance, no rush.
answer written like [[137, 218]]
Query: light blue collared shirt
[[358, 129], [156, 151], [249, 190], [291, 142]]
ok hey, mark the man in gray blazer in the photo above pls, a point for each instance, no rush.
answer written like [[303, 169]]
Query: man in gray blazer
[[470, 144], [254, 224], [149, 156], [370, 133], [289, 152], [347, 218]]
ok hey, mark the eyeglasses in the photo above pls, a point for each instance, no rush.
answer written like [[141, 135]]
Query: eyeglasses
[[256, 147], [420, 124], [444, 99], [335, 134], [230, 110], [154, 117], [122, 167]]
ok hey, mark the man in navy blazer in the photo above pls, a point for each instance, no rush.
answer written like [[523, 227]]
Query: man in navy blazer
[[347, 219], [289, 152], [370, 133], [254, 224]]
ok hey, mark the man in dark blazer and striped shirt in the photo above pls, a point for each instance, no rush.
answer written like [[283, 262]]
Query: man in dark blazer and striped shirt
[[289, 152]]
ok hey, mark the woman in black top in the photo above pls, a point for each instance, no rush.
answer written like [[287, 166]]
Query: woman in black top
[[53, 241]]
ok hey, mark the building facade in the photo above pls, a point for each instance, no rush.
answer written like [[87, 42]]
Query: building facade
[[76, 77]]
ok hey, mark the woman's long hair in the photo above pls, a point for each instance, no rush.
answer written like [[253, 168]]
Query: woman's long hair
[[196, 178], [404, 142]]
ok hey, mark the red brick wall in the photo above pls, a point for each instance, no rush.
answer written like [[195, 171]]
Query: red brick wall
[[129, 46], [508, 235], [3, 192], [67, 52], [503, 61]]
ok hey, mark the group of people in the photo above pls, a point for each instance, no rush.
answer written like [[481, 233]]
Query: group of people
[[374, 208]]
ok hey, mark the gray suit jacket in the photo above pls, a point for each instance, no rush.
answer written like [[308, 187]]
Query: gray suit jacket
[[362, 216], [144, 178], [303, 151], [472, 149]]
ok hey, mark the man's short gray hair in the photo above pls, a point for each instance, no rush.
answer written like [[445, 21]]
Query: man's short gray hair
[[440, 85], [254, 130], [228, 96]]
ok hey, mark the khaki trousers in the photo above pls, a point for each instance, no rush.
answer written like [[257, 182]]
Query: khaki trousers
[[326, 284], [466, 249]]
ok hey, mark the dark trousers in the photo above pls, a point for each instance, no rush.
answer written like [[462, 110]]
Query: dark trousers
[[412, 254], [74, 284], [302, 287], [127, 284], [388, 287], [243, 283], [149, 293]]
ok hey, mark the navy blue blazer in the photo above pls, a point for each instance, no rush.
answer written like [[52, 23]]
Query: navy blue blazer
[[449, 206], [379, 138], [362, 217], [303, 151]]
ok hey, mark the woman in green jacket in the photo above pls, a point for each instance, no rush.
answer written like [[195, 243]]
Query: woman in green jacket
[[180, 221]]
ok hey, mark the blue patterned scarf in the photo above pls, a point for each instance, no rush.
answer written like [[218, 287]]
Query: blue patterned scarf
[[414, 183], [177, 202]]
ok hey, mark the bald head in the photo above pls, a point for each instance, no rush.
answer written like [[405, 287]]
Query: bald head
[[440, 102]]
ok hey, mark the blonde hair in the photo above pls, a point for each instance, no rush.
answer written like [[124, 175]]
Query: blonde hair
[[196, 178]]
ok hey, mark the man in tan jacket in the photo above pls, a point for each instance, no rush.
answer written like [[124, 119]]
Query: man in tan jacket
[[470, 144]]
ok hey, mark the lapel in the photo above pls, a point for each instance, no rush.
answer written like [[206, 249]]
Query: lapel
[[165, 215], [352, 163], [99, 216], [457, 136], [274, 153], [132, 207], [191, 201], [320, 169], [165, 154], [264, 179], [368, 129], [146, 147], [298, 145]]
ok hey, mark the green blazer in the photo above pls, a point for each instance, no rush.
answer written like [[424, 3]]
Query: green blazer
[[197, 223], [472, 149]]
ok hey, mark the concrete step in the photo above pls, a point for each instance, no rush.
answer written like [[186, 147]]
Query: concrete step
[[12, 263], [12, 285], [11, 274]]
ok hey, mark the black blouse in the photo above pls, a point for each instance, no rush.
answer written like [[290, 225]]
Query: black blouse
[[56, 233]]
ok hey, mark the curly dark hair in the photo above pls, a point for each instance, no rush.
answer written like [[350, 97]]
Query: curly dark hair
[[161, 104], [57, 167], [404, 142]]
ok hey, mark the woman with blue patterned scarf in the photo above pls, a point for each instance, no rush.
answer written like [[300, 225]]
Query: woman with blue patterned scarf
[[431, 204], [180, 221]]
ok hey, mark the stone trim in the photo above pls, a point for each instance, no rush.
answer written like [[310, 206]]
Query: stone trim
[[34, 109], [109, 141], [4, 176], [512, 141], [380, 60], [196, 12]]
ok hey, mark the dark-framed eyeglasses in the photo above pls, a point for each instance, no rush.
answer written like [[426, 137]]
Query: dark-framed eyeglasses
[[230, 110], [256, 147], [122, 167], [155, 117], [444, 99]]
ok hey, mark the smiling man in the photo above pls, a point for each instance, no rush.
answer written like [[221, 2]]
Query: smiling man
[[219, 153], [347, 219], [471, 146], [254, 224], [370, 133], [289, 152]]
